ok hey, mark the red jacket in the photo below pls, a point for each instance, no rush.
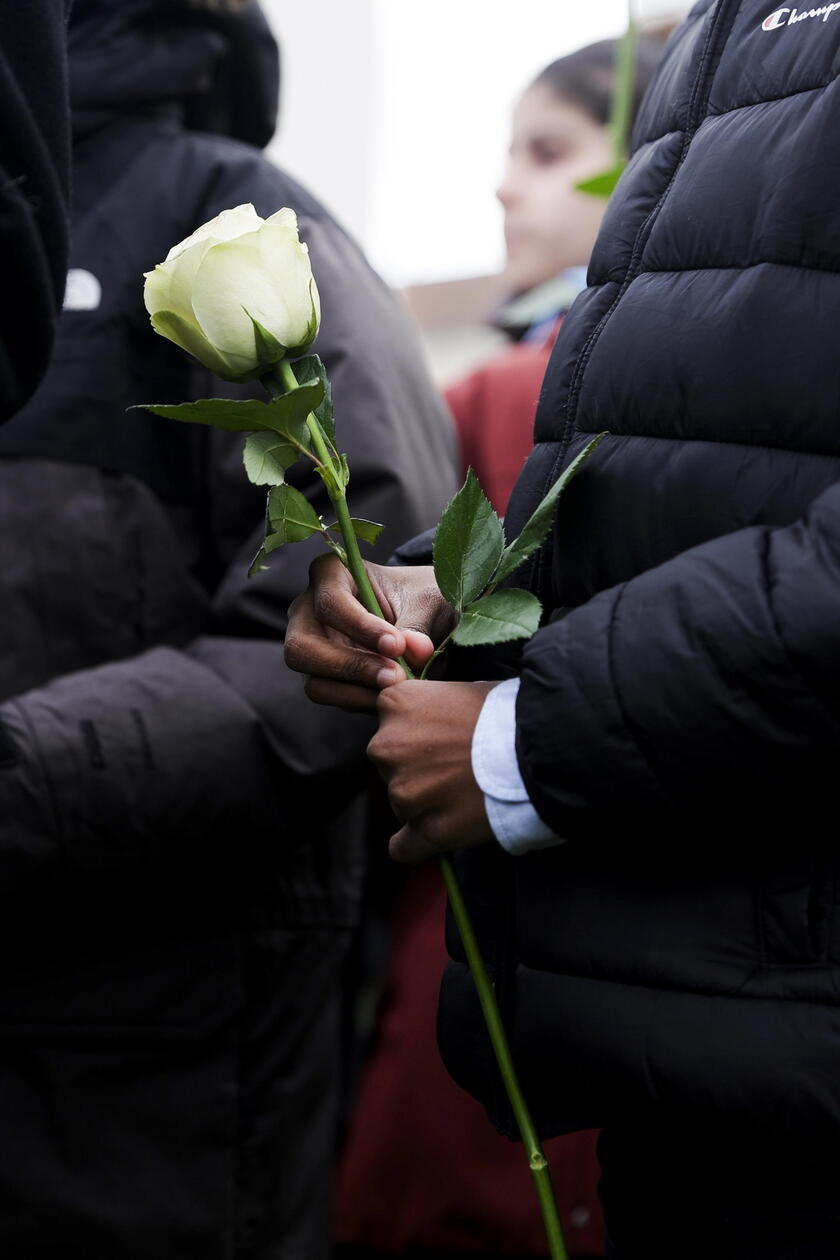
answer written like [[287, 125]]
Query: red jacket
[[423, 1168], [494, 408]]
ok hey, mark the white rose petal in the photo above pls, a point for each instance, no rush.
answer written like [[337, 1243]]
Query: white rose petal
[[285, 217], [190, 339], [225, 227], [156, 291], [235, 269], [184, 270]]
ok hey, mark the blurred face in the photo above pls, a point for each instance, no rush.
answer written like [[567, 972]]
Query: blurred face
[[549, 225]]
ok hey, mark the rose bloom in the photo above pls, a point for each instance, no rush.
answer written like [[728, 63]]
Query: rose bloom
[[238, 294]]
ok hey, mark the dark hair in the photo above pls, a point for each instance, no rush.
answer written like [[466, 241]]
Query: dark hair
[[586, 77]]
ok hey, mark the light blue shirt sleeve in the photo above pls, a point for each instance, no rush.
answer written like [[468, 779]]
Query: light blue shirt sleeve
[[515, 823]]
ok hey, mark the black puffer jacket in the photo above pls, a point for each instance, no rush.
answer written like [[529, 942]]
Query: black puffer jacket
[[180, 829], [679, 713]]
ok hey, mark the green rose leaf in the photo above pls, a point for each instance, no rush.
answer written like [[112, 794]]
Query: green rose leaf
[[602, 184], [285, 416], [367, 531], [310, 368], [468, 544], [498, 618], [291, 517], [536, 528], [266, 458]]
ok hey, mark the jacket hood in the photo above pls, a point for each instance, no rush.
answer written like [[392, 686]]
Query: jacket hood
[[218, 66]]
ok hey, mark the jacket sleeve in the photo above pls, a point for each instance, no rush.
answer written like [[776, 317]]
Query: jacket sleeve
[[200, 745], [708, 687]]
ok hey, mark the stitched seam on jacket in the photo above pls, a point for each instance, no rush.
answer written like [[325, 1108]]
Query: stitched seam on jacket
[[718, 441], [747, 266], [771, 100]]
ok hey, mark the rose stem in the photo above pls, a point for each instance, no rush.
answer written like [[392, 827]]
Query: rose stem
[[537, 1161]]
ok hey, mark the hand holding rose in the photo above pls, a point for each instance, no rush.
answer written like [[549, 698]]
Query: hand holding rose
[[348, 653], [423, 746], [423, 752]]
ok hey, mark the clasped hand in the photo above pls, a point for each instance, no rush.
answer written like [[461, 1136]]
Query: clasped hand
[[422, 748]]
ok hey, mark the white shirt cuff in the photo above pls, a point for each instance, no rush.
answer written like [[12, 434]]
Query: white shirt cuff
[[515, 823]]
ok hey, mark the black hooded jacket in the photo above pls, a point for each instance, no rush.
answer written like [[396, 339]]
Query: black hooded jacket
[[180, 829], [34, 178], [678, 718]]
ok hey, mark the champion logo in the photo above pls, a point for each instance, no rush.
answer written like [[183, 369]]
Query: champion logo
[[787, 17]]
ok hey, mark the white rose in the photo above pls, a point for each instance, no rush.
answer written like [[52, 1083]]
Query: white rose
[[238, 294]]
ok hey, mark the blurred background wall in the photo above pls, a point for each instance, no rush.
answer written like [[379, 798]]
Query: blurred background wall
[[397, 115]]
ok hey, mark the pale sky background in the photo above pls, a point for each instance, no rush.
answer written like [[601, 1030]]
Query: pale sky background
[[396, 115]]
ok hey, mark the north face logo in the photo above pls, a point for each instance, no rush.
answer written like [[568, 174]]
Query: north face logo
[[787, 17], [83, 291]]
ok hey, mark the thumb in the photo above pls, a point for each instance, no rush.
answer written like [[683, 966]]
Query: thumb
[[414, 645], [418, 648]]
